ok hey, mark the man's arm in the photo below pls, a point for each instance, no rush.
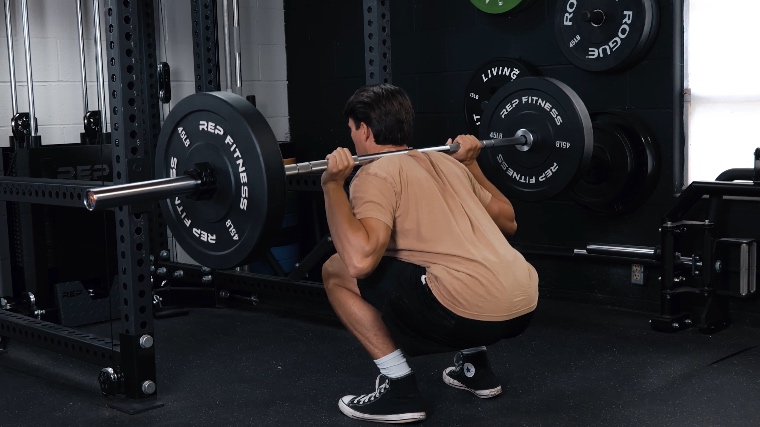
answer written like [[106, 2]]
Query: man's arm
[[360, 243], [499, 208]]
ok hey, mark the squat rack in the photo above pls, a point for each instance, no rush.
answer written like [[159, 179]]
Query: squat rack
[[129, 373]]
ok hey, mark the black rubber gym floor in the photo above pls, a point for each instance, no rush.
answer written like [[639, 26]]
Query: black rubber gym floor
[[577, 365]]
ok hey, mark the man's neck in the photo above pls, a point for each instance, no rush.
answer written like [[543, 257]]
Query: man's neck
[[388, 148]]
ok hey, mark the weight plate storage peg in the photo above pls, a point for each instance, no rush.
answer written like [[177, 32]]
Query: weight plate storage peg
[[498, 6], [485, 81], [562, 135], [246, 209], [605, 35]]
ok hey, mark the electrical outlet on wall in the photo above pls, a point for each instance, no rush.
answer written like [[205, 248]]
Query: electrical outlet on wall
[[637, 274]]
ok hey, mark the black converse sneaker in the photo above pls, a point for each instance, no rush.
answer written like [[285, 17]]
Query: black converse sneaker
[[395, 400], [472, 372]]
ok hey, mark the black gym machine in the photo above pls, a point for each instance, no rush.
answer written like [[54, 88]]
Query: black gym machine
[[717, 270], [41, 261], [117, 156], [700, 273]]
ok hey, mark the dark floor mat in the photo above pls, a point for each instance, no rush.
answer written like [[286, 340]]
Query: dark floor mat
[[720, 394], [577, 364]]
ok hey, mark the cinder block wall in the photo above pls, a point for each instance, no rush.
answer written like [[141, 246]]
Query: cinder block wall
[[56, 65], [264, 69]]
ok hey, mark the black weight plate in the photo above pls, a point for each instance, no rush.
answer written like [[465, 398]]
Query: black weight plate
[[563, 138], [646, 158], [228, 132], [485, 81], [648, 40], [610, 170], [602, 35]]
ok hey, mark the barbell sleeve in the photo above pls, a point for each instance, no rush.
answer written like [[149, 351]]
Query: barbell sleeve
[[121, 195], [522, 138]]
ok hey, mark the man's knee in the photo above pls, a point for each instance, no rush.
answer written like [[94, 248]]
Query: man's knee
[[335, 274], [328, 273]]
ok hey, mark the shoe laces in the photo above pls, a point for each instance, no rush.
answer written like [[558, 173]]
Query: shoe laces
[[379, 390], [458, 362]]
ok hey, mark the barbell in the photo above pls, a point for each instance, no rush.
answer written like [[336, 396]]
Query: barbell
[[200, 181], [221, 181]]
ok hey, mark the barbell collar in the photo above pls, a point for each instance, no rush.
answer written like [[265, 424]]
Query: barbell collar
[[203, 173], [529, 139], [523, 140], [121, 195]]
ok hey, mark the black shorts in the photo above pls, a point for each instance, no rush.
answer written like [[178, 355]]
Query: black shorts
[[418, 322]]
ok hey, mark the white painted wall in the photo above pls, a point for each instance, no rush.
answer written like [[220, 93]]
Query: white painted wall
[[56, 66], [721, 70], [264, 69]]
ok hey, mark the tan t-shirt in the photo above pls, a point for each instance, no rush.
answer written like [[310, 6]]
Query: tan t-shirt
[[436, 211]]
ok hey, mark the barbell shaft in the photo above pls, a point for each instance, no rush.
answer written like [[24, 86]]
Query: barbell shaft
[[320, 165], [125, 194], [121, 195], [82, 57]]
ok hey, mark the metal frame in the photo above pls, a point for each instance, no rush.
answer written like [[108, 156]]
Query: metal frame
[[6, 284], [205, 45], [135, 122], [306, 182], [253, 286], [48, 191], [377, 41], [680, 98], [30, 223], [60, 339]]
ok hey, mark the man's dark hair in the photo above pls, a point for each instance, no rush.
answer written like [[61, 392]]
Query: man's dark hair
[[386, 110]]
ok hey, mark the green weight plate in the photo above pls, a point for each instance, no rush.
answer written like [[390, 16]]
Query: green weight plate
[[497, 6]]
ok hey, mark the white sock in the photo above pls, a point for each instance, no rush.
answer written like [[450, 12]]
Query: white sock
[[473, 350], [393, 365]]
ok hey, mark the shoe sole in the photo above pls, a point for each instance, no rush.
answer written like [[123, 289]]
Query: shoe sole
[[390, 419], [483, 394]]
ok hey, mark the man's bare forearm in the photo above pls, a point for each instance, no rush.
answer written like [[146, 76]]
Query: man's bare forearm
[[474, 169]]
